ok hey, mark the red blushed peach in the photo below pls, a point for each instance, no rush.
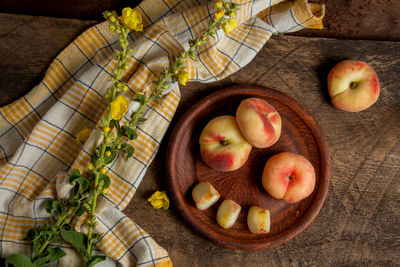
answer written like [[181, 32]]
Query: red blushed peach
[[222, 145], [289, 176], [353, 85], [259, 122]]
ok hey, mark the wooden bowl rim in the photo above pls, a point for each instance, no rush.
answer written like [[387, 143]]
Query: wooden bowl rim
[[313, 209]]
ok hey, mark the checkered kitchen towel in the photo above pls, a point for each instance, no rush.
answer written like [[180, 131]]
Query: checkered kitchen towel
[[37, 132]]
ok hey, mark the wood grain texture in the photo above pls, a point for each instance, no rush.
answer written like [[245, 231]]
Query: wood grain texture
[[359, 223], [351, 19], [185, 168]]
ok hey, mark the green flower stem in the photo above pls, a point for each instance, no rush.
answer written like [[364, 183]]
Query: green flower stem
[[117, 75], [92, 214]]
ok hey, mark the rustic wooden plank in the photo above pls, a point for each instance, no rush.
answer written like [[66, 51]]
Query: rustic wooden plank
[[27, 46], [355, 19], [358, 224]]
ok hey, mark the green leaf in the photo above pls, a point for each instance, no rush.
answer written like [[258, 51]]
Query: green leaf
[[31, 234], [75, 174], [81, 210], [56, 254], [49, 206], [56, 205], [109, 159], [129, 150], [81, 185], [51, 255], [19, 260], [141, 120], [94, 260], [77, 239], [53, 205], [130, 134], [140, 98], [106, 180], [37, 244]]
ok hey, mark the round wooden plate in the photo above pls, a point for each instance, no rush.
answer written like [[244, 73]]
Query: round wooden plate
[[185, 168]]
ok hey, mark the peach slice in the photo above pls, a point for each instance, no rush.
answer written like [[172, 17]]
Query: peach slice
[[204, 195], [227, 213], [258, 220]]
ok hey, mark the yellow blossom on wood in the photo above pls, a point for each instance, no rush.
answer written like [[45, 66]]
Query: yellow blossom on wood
[[132, 19], [159, 200], [84, 134], [183, 77], [229, 25], [118, 107]]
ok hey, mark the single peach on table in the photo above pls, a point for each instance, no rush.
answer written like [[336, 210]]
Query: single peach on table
[[353, 85], [289, 176], [204, 195], [222, 145], [259, 122], [227, 213], [258, 220]]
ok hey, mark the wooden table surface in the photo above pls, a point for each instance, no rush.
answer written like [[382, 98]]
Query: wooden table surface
[[360, 221]]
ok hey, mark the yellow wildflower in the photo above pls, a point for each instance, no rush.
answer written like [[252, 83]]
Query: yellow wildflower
[[232, 14], [159, 200], [90, 166], [219, 5], [106, 129], [83, 135], [183, 77], [219, 14], [132, 19], [112, 19], [118, 107], [108, 153], [105, 190], [103, 170], [108, 139], [229, 25]]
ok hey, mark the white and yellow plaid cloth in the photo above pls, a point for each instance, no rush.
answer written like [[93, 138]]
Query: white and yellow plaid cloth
[[38, 131]]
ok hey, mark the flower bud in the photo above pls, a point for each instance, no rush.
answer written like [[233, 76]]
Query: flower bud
[[219, 5]]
